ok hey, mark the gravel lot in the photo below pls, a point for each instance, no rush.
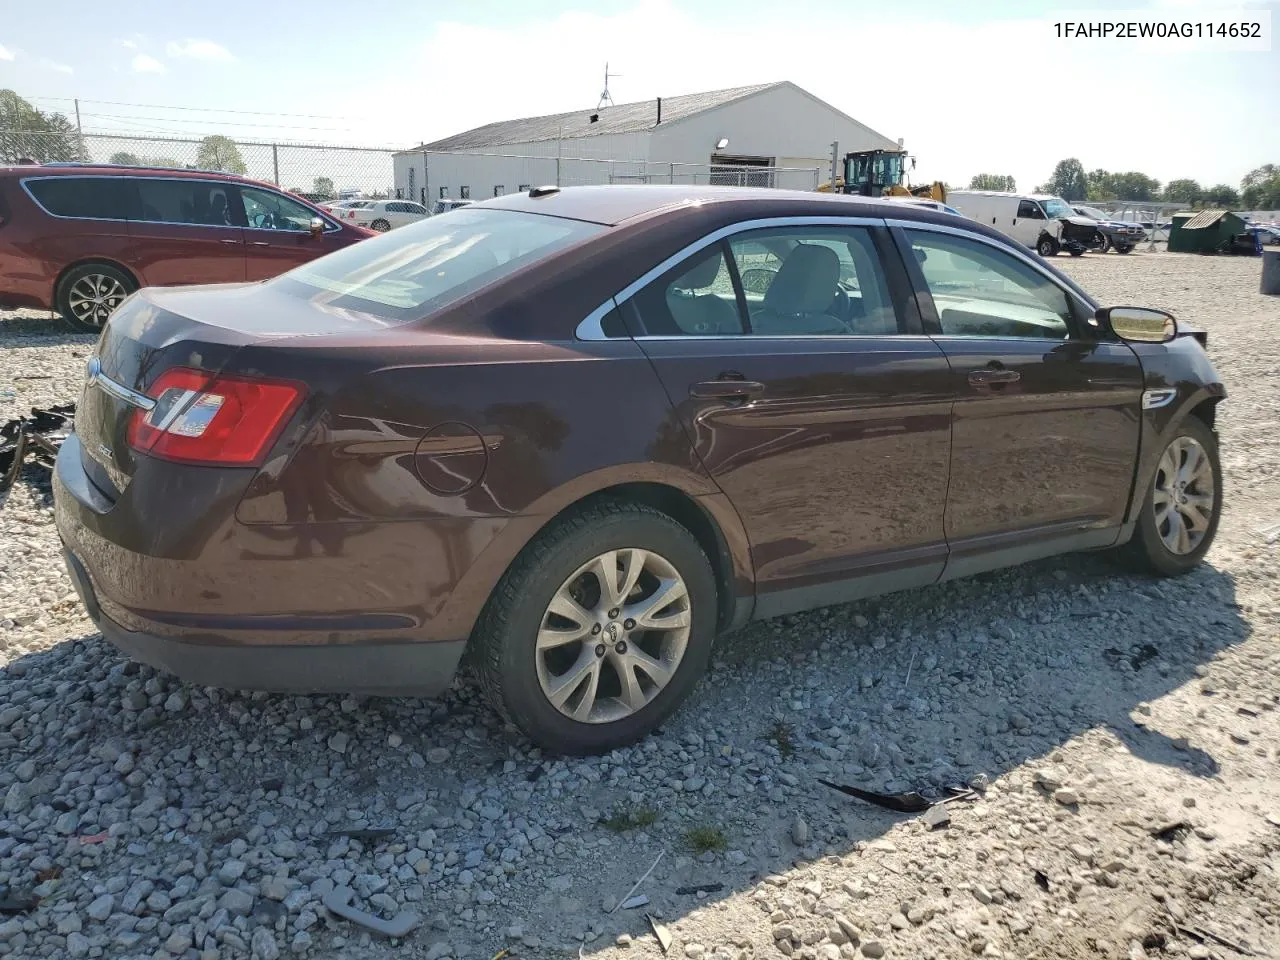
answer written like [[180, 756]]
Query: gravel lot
[[1098, 706]]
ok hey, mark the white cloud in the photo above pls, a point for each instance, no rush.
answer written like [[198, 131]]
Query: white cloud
[[5, 53], [55, 66], [145, 64], [205, 50], [128, 45]]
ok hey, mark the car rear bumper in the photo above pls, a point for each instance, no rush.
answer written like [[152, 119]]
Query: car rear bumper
[[234, 616], [380, 669]]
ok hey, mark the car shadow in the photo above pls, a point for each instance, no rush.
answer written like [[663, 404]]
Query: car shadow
[[45, 330], [913, 691]]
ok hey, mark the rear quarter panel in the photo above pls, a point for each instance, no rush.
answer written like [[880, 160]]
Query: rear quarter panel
[[483, 439]]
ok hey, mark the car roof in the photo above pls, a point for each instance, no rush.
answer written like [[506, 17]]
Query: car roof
[[615, 204], [117, 170]]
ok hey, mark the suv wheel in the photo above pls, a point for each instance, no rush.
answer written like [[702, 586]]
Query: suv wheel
[[1047, 246], [380, 225], [1124, 248], [1180, 516], [88, 294], [600, 630], [1105, 245]]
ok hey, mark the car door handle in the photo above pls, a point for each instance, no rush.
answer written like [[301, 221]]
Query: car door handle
[[234, 242], [725, 389], [260, 243], [983, 378]]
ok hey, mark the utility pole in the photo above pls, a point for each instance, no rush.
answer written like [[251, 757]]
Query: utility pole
[[79, 132], [835, 164]]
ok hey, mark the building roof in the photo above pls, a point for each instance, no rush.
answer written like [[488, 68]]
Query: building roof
[[1204, 219], [623, 118]]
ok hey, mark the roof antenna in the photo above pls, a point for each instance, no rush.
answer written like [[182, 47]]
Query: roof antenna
[[605, 95]]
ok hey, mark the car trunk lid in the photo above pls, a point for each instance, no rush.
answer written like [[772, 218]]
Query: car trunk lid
[[155, 330]]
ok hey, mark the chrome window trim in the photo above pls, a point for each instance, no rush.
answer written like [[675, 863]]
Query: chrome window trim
[[589, 328], [161, 223]]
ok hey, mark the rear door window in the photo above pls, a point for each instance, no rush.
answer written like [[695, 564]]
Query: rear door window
[[265, 210], [196, 202], [96, 198]]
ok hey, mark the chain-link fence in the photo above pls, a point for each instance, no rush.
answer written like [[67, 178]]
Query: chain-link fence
[[322, 171], [319, 170], [426, 176]]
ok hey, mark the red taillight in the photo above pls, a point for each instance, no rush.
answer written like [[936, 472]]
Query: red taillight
[[200, 418]]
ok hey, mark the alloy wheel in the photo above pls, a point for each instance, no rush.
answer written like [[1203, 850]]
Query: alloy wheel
[[94, 296], [613, 636], [1183, 496]]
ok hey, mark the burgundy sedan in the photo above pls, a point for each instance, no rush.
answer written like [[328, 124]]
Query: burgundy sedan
[[79, 238], [576, 435]]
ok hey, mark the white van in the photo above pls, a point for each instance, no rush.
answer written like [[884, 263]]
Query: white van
[[1046, 224]]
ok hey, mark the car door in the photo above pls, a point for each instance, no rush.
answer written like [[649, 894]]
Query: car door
[[187, 231], [278, 233], [1047, 417], [1028, 223], [413, 212], [787, 353]]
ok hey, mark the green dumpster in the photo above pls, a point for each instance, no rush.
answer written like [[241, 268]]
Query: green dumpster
[[1204, 232]]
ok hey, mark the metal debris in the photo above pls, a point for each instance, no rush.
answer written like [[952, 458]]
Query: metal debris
[[36, 438], [699, 888], [338, 902], [631, 903], [898, 802], [638, 882], [661, 932]]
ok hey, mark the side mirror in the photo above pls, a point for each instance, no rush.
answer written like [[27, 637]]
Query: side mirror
[[1139, 324], [317, 227]]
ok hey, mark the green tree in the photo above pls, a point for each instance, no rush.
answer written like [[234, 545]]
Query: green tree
[[220, 153], [28, 134], [1068, 181], [125, 158], [992, 181], [1222, 195], [323, 186], [1183, 191], [1260, 189]]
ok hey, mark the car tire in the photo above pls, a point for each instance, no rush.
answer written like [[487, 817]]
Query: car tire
[[1148, 550], [86, 295], [1046, 246], [382, 226], [519, 677], [1124, 248], [1076, 251], [1105, 245]]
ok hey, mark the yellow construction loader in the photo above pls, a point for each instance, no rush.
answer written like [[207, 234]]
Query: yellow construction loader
[[881, 173]]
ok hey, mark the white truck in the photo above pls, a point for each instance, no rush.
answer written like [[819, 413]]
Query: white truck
[[1043, 223]]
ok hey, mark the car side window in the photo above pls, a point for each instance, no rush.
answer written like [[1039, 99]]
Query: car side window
[[1029, 210], [695, 298], [982, 291], [195, 202], [96, 198], [415, 208], [814, 281], [264, 210]]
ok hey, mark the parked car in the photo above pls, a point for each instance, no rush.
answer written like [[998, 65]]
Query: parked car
[[384, 215], [557, 431], [927, 202], [444, 205], [334, 206], [79, 238], [1119, 235], [1043, 223]]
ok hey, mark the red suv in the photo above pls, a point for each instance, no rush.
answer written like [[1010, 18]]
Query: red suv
[[79, 238]]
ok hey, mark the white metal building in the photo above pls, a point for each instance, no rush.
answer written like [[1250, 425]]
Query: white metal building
[[772, 134]]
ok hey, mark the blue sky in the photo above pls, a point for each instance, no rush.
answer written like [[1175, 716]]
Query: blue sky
[[971, 87]]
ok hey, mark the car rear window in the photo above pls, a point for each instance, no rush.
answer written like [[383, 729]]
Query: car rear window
[[105, 198], [409, 273]]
